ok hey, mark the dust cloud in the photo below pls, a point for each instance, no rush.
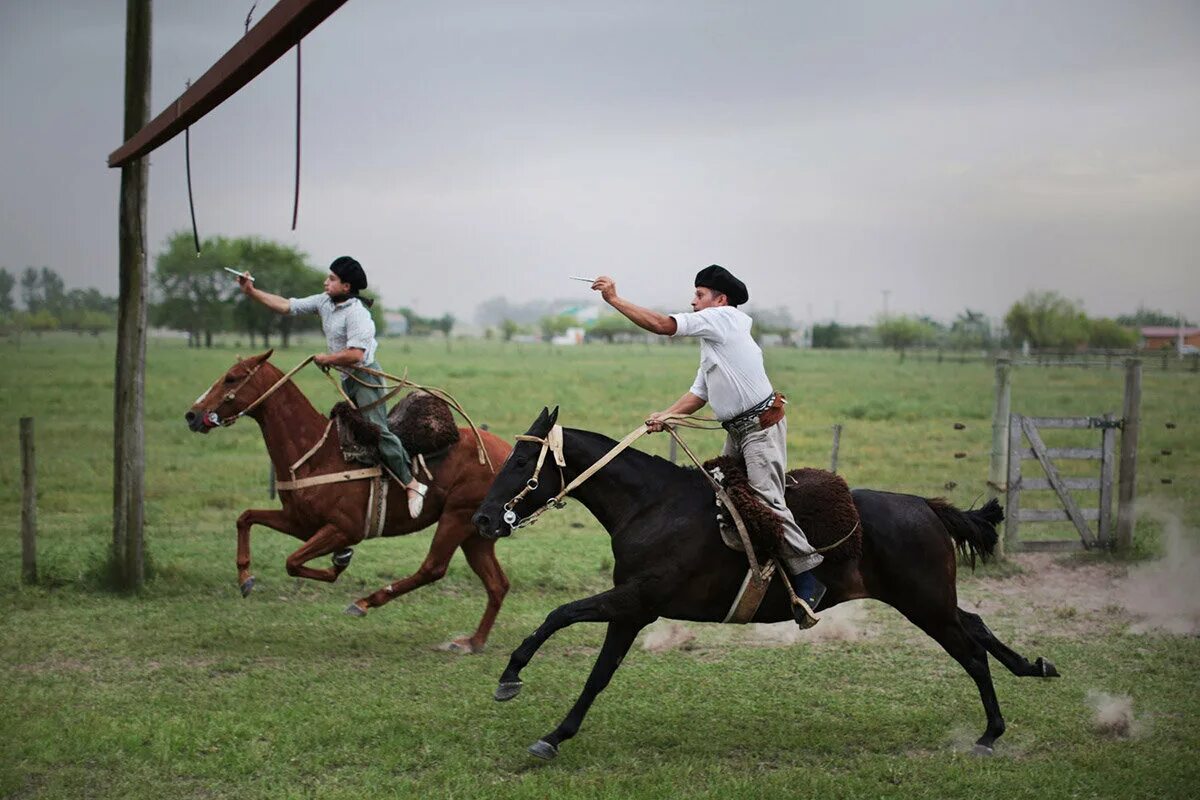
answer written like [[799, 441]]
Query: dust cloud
[[1162, 595]]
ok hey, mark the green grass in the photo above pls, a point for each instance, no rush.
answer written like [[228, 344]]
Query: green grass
[[189, 691]]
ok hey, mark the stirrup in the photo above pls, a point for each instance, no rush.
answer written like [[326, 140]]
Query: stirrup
[[804, 616], [416, 499]]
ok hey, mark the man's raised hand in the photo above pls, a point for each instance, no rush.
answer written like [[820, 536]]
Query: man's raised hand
[[607, 288]]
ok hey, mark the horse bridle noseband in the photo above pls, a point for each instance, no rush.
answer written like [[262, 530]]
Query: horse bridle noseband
[[553, 443], [213, 420]]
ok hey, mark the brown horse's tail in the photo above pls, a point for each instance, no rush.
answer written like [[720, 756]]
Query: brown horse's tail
[[973, 531]]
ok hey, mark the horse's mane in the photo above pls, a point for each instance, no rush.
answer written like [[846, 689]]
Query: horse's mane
[[638, 461]]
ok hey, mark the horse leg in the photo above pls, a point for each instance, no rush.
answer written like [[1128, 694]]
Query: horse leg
[[272, 518], [616, 644], [1016, 663], [481, 555], [621, 602], [327, 539], [949, 632], [450, 532]]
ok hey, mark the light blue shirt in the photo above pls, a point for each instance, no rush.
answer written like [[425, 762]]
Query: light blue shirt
[[731, 378], [346, 324]]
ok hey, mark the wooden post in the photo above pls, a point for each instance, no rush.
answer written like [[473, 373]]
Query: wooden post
[[837, 442], [1012, 508], [1131, 420], [28, 504], [674, 451], [998, 469], [1108, 447], [271, 482], [129, 385]]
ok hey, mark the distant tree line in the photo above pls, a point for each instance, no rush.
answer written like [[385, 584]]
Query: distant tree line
[[49, 306]]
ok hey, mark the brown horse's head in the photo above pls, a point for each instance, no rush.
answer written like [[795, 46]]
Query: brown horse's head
[[231, 394]]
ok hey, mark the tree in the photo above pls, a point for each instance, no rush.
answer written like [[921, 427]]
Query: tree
[[193, 289], [52, 290], [1047, 320], [7, 282], [509, 329], [610, 326], [971, 331], [555, 325], [1110, 334], [1146, 316], [31, 294], [902, 332], [280, 269], [830, 335]]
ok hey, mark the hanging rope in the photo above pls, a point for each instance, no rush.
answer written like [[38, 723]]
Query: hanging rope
[[296, 194], [187, 161]]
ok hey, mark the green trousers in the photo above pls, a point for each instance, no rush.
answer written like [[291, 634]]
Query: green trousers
[[395, 457]]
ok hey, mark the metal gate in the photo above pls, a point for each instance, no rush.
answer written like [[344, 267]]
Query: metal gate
[[1029, 429]]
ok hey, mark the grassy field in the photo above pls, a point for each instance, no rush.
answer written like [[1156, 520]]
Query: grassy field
[[187, 690]]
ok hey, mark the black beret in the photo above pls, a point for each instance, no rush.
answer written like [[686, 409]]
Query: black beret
[[719, 279], [350, 272]]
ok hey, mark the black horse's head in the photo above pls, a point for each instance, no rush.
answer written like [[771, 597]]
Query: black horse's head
[[519, 487]]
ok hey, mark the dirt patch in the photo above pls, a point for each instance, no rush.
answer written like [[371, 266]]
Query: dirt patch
[[842, 623], [1052, 594], [665, 635]]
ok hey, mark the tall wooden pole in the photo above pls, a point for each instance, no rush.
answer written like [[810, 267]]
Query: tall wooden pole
[[998, 470], [1131, 427], [130, 380]]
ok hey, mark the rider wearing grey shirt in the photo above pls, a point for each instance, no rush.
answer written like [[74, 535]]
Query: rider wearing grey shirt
[[732, 379], [350, 336]]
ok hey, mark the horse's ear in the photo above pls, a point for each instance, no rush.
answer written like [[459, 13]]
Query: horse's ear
[[265, 355], [554, 416]]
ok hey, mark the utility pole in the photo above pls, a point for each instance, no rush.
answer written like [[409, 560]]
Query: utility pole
[[129, 451], [886, 292]]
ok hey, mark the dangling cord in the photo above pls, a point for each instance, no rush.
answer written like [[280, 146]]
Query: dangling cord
[[187, 158], [296, 195]]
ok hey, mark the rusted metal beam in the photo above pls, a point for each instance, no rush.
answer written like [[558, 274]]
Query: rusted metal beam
[[278, 31]]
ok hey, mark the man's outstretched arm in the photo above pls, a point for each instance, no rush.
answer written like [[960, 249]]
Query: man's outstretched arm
[[280, 305], [645, 318]]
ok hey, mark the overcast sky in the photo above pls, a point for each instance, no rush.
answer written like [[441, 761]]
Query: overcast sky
[[951, 153]]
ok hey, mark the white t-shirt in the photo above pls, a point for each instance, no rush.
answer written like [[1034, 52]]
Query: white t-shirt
[[731, 376]]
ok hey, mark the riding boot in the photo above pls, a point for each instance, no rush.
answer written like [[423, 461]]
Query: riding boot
[[809, 592]]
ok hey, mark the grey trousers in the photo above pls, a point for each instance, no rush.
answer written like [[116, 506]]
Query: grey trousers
[[395, 457], [765, 454]]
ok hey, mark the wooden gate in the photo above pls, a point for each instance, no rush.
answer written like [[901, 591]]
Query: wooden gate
[[1029, 429]]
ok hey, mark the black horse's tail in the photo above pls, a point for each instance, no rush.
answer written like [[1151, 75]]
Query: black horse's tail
[[974, 531]]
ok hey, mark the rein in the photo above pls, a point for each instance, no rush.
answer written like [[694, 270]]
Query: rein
[[213, 420], [554, 442]]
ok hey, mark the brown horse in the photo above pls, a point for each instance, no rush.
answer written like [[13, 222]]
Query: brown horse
[[331, 517]]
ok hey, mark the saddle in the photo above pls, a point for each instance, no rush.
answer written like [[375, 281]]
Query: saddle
[[821, 504], [424, 424]]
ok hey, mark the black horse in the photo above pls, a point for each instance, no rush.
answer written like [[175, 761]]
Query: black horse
[[670, 562]]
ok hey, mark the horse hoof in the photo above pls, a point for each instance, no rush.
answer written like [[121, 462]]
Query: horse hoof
[[1047, 667], [543, 750], [342, 557], [982, 750], [355, 610], [507, 691], [247, 586]]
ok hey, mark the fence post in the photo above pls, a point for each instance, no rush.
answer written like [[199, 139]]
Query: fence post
[[1012, 483], [837, 442], [28, 503], [998, 469], [674, 451], [271, 481], [1131, 419]]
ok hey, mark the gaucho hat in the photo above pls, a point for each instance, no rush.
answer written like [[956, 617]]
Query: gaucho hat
[[719, 279], [350, 272]]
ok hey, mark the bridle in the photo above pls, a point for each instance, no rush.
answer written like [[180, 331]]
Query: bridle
[[553, 443], [213, 420]]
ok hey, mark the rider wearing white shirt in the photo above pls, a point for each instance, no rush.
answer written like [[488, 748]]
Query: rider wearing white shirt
[[732, 379]]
